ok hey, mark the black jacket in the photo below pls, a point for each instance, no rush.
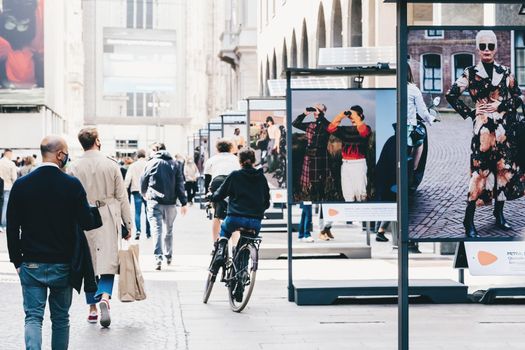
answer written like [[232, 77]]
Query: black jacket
[[45, 210], [162, 180], [248, 193]]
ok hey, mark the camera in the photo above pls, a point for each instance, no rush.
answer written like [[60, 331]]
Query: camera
[[311, 109]]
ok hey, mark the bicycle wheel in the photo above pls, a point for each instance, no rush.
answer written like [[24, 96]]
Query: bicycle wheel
[[242, 277]]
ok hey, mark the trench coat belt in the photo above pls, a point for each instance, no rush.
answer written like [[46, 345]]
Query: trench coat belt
[[100, 203]]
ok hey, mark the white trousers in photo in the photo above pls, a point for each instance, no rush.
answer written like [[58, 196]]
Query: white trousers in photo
[[353, 180]]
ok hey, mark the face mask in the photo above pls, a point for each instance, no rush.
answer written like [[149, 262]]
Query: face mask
[[64, 161]]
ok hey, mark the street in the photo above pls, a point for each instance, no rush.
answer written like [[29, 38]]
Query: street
[[174, 317]]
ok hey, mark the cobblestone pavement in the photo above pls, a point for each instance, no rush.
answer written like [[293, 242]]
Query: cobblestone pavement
[[438, 208]]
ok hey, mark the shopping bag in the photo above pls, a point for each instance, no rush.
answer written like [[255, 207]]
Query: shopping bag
[[131, 281]]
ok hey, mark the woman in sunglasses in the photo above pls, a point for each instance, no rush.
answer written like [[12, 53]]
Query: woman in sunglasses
[[496, 94]]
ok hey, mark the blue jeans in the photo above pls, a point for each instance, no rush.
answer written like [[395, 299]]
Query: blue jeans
[[306, 221], [36, 279], [104, 285], [161, 218], [233, 223], [139, 201], [4, 208]]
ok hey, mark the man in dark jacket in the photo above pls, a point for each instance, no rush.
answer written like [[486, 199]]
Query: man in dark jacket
[[44, 210], [161, 185], [249, 197]]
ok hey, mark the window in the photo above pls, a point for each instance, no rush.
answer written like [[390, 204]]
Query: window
[[461, 61], [435, 34], [139, 14], [431, 73], [519, 50], [140, 104], [124, 144]]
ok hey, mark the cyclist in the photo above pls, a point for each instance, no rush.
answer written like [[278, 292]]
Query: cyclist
[[249, 196]]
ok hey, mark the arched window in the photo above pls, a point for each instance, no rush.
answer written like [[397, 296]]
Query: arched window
[[304, 46], [321, 28], [293, 50], [337, 24], [461, 61], [285, 56], [356, 23], [431, 75], [274, 66]]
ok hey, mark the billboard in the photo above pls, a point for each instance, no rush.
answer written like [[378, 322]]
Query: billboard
[[22, 51], [339, 139], [469, 183]]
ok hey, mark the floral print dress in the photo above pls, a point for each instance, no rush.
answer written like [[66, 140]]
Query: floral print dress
[[493, 169]]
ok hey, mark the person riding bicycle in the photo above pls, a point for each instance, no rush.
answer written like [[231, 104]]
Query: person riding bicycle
[[249, 197]]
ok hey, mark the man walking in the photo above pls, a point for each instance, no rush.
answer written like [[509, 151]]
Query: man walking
[[8, 173], [162, 184], [104, 186], [44, 210], [132, 180]]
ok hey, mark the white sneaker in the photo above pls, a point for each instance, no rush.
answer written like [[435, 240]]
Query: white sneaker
[[300, 239], [308, 239]]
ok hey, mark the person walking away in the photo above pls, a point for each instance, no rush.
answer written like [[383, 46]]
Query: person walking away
[[104, 186], [8, 173], [162, 184], [191, 173], [216, 169], [132, 181], [44, 210]]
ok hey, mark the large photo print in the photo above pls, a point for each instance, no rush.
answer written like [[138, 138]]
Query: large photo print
[[467, 170], [338, 142], [21, 51]]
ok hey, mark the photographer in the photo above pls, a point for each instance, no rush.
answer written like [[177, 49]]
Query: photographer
[[355, 143], [315, 161]]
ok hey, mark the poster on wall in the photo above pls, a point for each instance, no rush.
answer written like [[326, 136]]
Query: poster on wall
[[22, 51], [234, 129], [466, 177], [214, 135], [268, 139], [343, 145]]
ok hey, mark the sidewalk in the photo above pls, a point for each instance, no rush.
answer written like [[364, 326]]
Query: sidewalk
[[173, 316]]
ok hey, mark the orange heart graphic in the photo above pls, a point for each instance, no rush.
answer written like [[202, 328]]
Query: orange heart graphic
[[332, 212], [486, 258]]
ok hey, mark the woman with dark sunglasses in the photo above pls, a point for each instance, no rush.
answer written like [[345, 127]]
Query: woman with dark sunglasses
[[494, 174]]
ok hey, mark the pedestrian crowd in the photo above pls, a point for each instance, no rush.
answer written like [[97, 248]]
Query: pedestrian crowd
[[64, 221]]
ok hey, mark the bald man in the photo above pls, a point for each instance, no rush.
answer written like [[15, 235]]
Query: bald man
[[43, 212]]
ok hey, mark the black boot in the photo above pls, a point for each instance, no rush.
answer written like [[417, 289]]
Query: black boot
[[468, 222], [220, 253], [500, 219]]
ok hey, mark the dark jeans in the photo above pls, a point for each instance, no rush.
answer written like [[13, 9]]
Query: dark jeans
[[139, 201], [305, 225], [191, 190], [233, 223], [36, 280]]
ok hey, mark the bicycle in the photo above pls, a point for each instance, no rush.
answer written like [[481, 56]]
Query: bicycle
[[238, 272]]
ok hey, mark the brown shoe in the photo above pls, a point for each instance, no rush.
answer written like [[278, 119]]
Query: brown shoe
[[323, 236], [329, 234]]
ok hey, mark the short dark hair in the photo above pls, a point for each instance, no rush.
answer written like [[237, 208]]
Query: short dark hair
[[87, 137], [270, 119], [141, 153], [359, 110], [8, 150], [158, 146], [224, 146], [247, 157]]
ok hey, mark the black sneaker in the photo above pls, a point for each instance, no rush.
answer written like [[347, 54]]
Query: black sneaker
[[220, 253], [380, 237]]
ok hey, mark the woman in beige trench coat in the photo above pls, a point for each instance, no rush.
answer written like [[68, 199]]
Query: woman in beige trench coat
[[104, 186]]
